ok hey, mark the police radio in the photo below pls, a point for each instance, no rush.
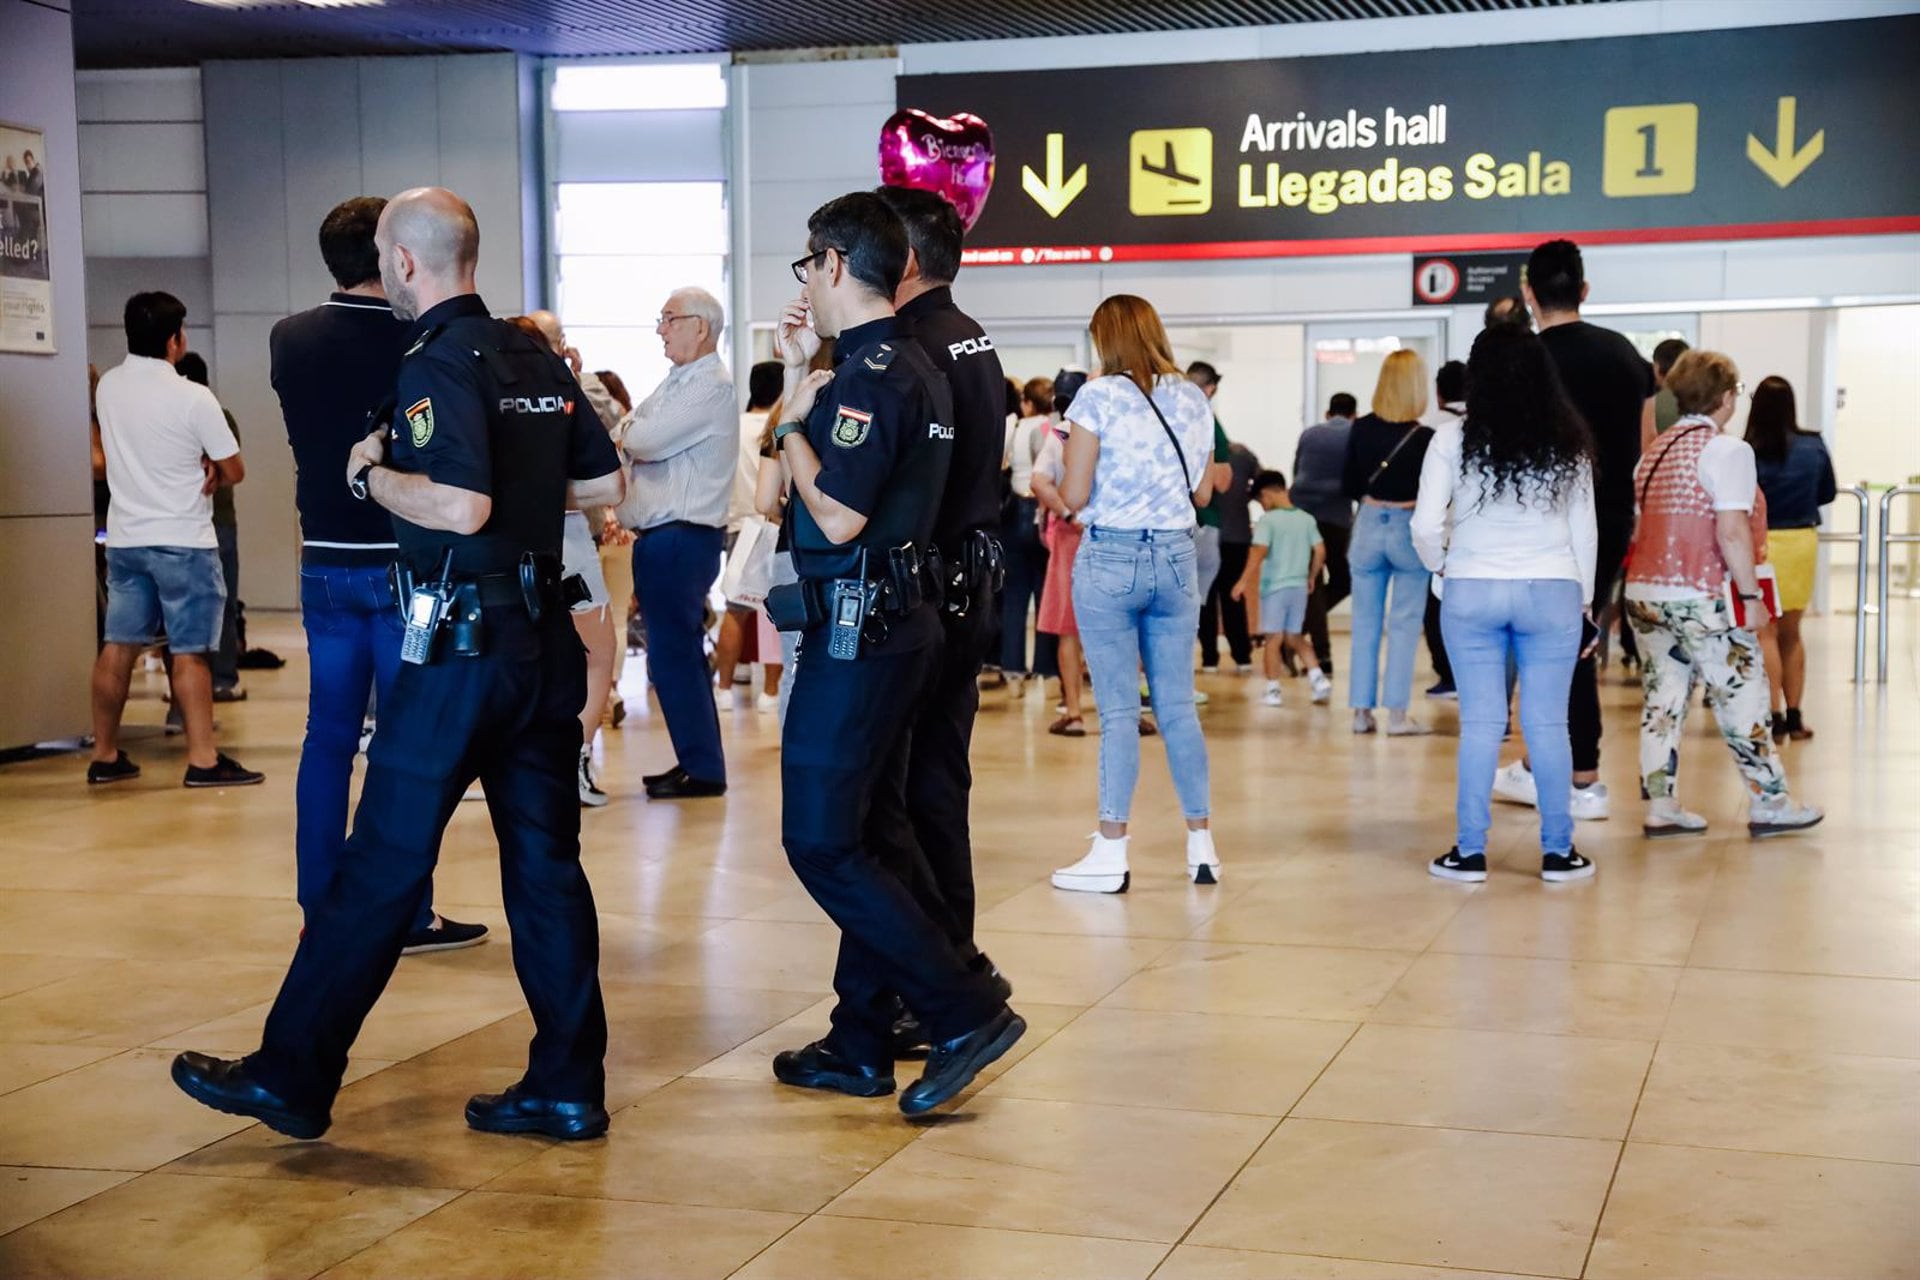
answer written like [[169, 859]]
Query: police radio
[[847, 613], [427, 608]]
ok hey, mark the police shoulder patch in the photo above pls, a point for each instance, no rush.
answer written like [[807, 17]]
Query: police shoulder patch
[[420, 421], [851, 427]]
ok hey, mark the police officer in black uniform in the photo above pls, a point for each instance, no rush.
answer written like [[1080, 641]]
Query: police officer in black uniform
[[868, 448], [490, 441], [939, 775]]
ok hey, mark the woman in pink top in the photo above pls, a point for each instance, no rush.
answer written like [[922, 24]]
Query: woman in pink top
[[1701, 535]]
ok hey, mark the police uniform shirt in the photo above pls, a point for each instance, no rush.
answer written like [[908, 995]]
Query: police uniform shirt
[[482, 407], [882, 429], [961, 349]]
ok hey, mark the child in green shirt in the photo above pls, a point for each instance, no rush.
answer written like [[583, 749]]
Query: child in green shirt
[[1285, 559]]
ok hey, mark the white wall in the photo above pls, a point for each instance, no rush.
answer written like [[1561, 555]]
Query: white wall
[[1876, 435], [46, 495], [285, 142]]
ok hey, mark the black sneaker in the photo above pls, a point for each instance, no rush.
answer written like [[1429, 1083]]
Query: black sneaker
[[118, 769], [229, 693], [818, 1067], [952, 1066], [1454, 865], [443, 935], [1444, 691], [226, 772], [1571, 865]]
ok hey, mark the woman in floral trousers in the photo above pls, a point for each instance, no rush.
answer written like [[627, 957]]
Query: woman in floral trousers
[[1701, 535]]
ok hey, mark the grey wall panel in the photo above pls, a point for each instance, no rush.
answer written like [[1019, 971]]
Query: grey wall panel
[[818, 142], [480, 160], [399, 124], [143, 156], [247, 185], [46, 496], [157, 93], [682, 146], [47, 561], [111, 281], [263, 504], [166, 225], [321, 98]]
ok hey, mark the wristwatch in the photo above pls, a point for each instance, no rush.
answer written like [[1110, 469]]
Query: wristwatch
[[358, 485], [786, 429]]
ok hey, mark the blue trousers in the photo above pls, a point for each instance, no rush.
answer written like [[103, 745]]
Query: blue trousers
[[673, 567], [511, 718], [1136, 593], [1381, 557], [848, 832], [1536, 624], [353, 648]]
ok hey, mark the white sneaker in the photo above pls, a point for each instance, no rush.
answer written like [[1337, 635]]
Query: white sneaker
[[1362, 720], [1402, 725], [1273, 697], [1322, 687], [1200, 698], [723, 698], [766, 703], [1591, 804], [591, 796], [1666, 819], [1243, 669], [1103, 870], [1779, 816], [1203, 864], [1514, 784]]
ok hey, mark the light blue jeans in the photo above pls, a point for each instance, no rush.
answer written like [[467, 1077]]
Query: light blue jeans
[[1136, 594], [1381, 555], [1534, 622]]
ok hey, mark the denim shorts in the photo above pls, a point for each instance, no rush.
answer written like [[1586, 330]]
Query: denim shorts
[[1283, 612], [179, 588]]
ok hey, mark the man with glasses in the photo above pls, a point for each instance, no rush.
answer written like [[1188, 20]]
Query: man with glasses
[[682, 443], [869, 447]]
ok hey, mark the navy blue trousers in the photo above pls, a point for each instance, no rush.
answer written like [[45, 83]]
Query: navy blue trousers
[[849, 837], [673, 568], [510, 718]]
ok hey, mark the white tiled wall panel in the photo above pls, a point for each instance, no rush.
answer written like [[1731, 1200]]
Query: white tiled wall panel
[[116, 225]]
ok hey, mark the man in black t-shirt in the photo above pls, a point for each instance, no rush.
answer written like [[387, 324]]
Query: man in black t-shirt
[[1612, 387]]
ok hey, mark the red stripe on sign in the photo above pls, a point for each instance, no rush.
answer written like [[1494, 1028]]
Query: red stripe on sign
[[1050, 255]]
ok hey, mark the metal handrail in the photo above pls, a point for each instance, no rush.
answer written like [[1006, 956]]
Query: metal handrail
[[1888, 537], [1860, 597]]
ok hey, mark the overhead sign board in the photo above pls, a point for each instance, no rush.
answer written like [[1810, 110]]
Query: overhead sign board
[[1775, 131]]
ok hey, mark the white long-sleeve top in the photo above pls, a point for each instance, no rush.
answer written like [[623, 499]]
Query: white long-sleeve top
[[1462, 533]]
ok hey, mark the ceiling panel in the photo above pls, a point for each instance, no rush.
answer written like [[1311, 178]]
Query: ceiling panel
[[123, 33]]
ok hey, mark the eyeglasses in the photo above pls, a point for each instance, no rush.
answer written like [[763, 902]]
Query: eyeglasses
[[801, 266], [668, 317]]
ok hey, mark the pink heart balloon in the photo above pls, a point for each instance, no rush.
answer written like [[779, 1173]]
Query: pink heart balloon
[[951, 156]]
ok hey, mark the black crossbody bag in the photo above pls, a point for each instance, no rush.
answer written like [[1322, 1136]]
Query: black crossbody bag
[[1173, 440]]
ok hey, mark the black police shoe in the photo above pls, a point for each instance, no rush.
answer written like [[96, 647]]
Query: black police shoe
[[517, 1112], [952, 1066], [655, 779], [224, 1085], [684, 786], [818, 1067], [910, 1038], [118, 769]]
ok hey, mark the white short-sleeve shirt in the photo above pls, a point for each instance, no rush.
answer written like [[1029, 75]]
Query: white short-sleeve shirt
[[1138, 482], [156, 426]]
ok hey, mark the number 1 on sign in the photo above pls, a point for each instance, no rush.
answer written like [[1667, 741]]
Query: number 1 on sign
[[1650, 169]]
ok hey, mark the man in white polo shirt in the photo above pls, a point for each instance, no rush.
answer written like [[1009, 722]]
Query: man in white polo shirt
[[168, 447]]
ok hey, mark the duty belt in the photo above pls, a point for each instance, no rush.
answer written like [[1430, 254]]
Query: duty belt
[[972, 574]]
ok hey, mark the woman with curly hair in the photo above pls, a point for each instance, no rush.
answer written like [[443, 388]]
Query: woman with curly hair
[[1505, 519]]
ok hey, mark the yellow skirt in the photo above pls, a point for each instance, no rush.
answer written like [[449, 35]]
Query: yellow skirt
[[1793, 553]]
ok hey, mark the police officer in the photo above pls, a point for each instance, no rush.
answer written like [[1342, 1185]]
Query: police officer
[[868, 448], [491, 440], [939, 775]]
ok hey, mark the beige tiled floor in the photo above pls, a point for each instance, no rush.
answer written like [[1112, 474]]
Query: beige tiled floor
[[1703, 1063]]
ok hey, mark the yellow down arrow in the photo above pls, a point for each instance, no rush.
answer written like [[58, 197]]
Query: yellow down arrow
[[1054, 195], [1783, 164]]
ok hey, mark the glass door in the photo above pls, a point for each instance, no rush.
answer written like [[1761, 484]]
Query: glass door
[[1346, 355]]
